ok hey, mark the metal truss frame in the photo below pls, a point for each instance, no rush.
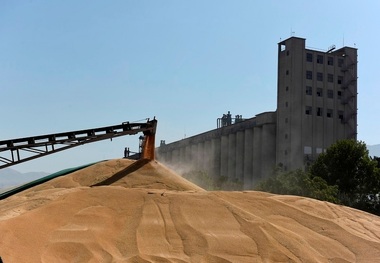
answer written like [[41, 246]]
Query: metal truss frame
[[12, 151]]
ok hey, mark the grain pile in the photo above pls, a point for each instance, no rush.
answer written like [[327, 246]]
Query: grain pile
[[126, 211]]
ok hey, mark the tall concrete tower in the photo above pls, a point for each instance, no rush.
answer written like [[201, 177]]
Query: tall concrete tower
[[316, 101]]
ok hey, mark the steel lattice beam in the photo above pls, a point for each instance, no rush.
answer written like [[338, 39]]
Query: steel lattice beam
[[41, 145]]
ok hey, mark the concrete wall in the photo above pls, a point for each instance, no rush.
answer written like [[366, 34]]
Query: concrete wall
[[244, 151]]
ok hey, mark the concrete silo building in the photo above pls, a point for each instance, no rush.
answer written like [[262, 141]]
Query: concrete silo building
[[316, 100], [316, 106]]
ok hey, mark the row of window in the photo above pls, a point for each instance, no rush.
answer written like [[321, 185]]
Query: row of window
[[320, 77], [308, 150], [320, 59], [319, 92], [320, 112]]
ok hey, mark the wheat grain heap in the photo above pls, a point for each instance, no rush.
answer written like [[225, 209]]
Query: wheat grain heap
[[127, 211]]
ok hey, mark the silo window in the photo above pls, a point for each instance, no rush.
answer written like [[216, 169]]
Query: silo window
[[320, 59], [329, 113], [308, 110], [319, 111], [330, 77], [309, 90], [340, 62], [309, 57], [330, 61], [319, 76], [307, 150], [340, 115], [319, 92], [309, 74], [340, 79], [330, 94]]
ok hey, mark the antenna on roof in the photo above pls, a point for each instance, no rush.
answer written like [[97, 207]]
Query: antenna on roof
[[292, 32], [343, 39], [331, 48]]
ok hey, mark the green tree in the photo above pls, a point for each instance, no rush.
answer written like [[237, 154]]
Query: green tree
[[347, 165], [377, 160], [299, 183], [319, 189]]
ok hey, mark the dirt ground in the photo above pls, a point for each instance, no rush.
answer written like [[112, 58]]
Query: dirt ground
[[127, 211]]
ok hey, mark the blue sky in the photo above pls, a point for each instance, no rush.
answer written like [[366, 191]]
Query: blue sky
[[69, 65]]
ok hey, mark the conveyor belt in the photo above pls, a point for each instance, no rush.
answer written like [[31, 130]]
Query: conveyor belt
[[19, 150]]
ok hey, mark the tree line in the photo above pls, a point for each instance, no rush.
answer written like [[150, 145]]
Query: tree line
[[345, 174]]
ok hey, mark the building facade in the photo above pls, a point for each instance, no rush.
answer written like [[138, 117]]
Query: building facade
[[316, 101], [316, 106]]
